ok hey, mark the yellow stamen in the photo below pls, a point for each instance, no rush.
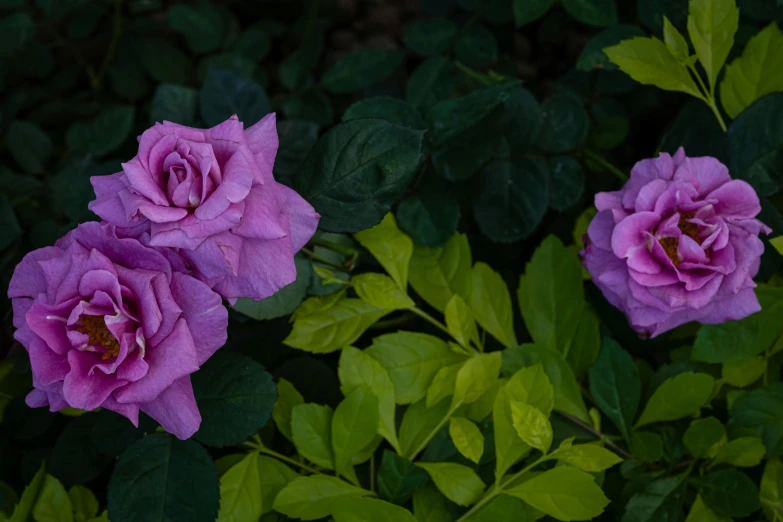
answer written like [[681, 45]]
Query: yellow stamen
[[95, 327]]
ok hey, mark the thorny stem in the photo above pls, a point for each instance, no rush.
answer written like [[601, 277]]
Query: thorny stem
[[600, 436], [605, 164]]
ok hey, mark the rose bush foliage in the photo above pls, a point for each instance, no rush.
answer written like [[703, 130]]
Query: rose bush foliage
[[361, 261]]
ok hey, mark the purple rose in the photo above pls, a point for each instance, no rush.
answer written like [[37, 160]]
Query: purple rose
[[113, 323], [210, 194], [678, 243]]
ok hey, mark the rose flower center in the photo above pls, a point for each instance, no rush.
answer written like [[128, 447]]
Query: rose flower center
[[670, 244], [95, 327]]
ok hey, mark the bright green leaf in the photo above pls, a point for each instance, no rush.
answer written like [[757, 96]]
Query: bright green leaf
[[675, 42], [314, 497], [366, 509], [677, 397], [459, 321], [287, 398], [436, 274], [85, 505], [475, 377], [274, 476], [459, 483], [744, 452], [744, 373], [239, 492], [593, 57], [354, 425], [588, 457], [491, 304], [380, 291], [771, 489], [311, 429], [711, 26], [418, 423], [467, 438], [701, 513], [53, 503], [29, 495], [390, 247], [704, 437], [443, 384], [532, 426]]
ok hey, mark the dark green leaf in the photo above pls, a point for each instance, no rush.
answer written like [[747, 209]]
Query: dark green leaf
[[128, 80], [615, 385], [104, 133], [703, 435], [430, 36], [360, 69], [430, 217], [296, 138], [512, 200], [235, 396], [198, 25], [9, 227], [567, 182], [761, 411], [357, 170], [254, 44], [593, 56], [164, 62], [225, 93], [611, 123], [601, 13], [392, 110], [651, 13], [431, 82], [399, 478], [646, 446], [15, 30], [162, 479], [174, 103], [697, 131], [285, 301], [228, 61], [526, 11], [294, 69], [476, 47], [660, 501], [524, 113], [312, 105], [565, 124], [29, 146], [728, 492]]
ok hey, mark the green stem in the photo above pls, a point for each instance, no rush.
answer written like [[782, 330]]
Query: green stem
[[473, 74], [708, 97], [497, 489], [97, 79], [315, 257], [434, 432], [597, 434], [288, 460], [427, 317], [605, 164], [340, 249]]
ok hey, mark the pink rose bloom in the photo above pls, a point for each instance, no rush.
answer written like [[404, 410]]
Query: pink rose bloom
[[678, 243], [113, 323], [210, 194]]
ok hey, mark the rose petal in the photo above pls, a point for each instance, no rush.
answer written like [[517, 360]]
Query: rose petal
[[175, 409]]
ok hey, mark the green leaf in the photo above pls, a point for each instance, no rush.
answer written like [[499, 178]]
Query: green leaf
[[430, 36], [174, 103], [226, 93], [565, 123], [744, 373], [285, 301], [16, 29], [412, 360], [29, 495], [452, 117], [311, 429], [476, 376], [532, 386], [85, 505], [253, 44], [588, 457], [429, 505], [380, 291], [311, 498], [287, 398], [593, 56], [771, 489], [649, 62], [359, 69], [704, 437], [239, 491], [53, 503], [513, 199], [525, 117], [532, 426], [564, 493], [160, 478], [551, 295], [458, 483], [369, 165], [646, 446], [10, 230], [354, 425], [104, 133], [443, 384], [615, 385], [235, 397], [476, 47], [527, 11], [467, 438], [390, 247], [701, 513], [295, 67], [399, 478], [459, 321], [600, 13], [197, 25], [29, 145], [736, 341], [331, 329], [491, 304], [758, 72], [677, 397], [711, 26], [660, 499], [509, 447], [386, 108], [357, 369], [675, 42], [431, 82], [761, 410], [744, 452], [419, 422], [296, 139], [567, 182], [274, 476], [361, 509], [728, 492], [568, 397], [436, 274], [429, 217]]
